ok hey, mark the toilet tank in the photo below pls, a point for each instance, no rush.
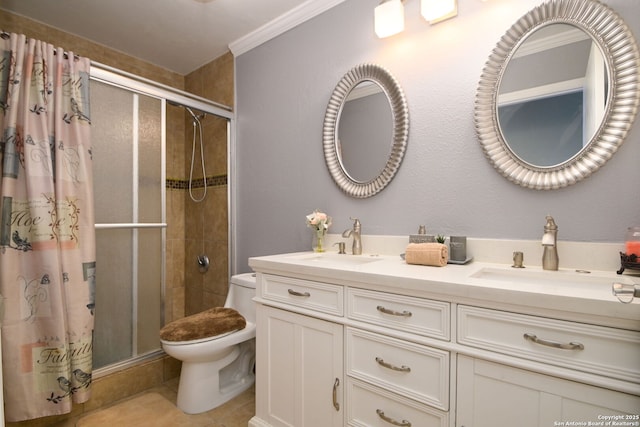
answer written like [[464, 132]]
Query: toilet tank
[[242, 289]]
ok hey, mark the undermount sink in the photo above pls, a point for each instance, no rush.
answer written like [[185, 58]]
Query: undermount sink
[[577, 278], [336, 259]]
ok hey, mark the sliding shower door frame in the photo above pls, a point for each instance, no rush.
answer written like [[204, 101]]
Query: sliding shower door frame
[[141, 86]]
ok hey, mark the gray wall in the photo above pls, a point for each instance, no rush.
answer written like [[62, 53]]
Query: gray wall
[[444, 182]]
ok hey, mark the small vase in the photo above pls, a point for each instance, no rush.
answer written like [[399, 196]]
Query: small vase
[[632, 241], [318, 241]]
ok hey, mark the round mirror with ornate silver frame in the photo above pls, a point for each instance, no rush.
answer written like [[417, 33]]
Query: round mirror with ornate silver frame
[[614, 44], [370, 183]]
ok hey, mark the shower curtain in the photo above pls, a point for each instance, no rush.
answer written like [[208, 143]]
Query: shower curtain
[[47, 235]]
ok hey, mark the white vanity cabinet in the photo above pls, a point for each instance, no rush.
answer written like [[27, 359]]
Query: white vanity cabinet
[[299, 366], [318, 366], [390, 380], [302, 359], [338, 346], [491, 394], [599, 350]]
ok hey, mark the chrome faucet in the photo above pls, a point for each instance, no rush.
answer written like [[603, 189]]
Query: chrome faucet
[[549, 243], [356, 249]]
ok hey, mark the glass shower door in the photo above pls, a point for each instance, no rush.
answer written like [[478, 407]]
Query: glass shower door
[[128, 145]]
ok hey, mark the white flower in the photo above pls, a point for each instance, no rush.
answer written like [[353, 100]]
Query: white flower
[[319, 221]]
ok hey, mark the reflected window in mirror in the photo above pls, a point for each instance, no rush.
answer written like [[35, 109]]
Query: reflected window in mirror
[[545, 131]]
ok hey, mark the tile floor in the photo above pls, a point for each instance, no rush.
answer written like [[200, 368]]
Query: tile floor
[[150, 409]]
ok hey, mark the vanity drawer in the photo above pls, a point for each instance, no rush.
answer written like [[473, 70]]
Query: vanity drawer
[[315, 296], [369, 406], [415, 371], [408, 314], [601, 350]]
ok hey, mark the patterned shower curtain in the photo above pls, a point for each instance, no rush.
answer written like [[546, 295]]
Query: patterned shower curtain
[[47, 235]]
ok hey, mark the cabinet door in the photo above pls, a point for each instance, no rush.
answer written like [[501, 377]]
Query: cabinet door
[[299, 370], [490, 394]]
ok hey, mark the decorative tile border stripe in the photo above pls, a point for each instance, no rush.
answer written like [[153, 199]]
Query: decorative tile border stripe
[[183, 184]]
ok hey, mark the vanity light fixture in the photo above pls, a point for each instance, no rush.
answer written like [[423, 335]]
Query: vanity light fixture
[[389, 14], [389, 18], [436, 11]]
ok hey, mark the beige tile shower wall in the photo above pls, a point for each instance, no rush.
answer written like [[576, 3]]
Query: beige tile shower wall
[[175, 243], [206, 233], [213, 80], [175, 247], [206, 223]]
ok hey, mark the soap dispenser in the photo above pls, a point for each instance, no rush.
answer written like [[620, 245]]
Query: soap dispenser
[[549, 243], [356, 248]]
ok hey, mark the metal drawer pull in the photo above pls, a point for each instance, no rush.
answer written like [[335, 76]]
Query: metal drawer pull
[[570, 346], [403, 423], [402, 368], [298, 294], [335, 394], [404, 313]]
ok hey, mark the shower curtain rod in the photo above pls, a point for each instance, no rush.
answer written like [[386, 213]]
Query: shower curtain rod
[[5, 35]]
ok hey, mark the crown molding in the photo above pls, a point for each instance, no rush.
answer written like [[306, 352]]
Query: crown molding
[[530, 47], [281, 24]]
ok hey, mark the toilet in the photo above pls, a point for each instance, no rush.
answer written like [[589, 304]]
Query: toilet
[[217, 349]]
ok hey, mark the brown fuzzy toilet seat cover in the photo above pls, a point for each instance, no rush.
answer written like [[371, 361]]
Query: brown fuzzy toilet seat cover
[[209, 323]]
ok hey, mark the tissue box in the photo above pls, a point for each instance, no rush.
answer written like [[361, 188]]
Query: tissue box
[[421, 238]]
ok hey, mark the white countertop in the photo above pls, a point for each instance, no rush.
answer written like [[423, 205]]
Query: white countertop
[[567, 294]]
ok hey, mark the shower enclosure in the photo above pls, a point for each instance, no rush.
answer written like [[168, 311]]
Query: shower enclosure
[[130, 139]]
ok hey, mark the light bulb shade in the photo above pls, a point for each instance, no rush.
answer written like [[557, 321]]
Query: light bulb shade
[[438, 10], [389, 18]]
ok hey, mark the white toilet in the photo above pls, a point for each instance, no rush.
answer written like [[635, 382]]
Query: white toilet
[[218, 368]]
